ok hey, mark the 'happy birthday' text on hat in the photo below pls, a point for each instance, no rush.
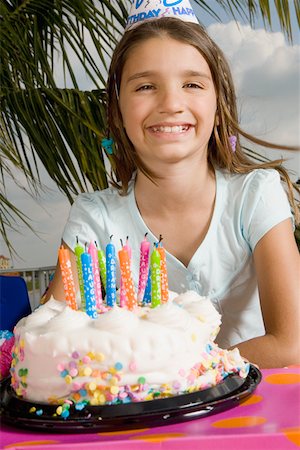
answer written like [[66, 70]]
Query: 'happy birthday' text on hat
[[145, 10]]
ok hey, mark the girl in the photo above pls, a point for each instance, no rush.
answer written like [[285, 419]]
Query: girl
[[179, 171]]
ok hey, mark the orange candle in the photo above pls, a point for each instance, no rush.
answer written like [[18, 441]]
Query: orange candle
[[67, 276], [163, 275], [131, 299]]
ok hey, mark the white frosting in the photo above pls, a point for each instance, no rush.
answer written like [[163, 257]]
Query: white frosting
[[62, 353]]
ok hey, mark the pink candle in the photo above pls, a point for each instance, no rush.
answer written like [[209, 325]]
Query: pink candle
[[128, 248], [144, 267], [92, 250], [131, 300], [67, 277]]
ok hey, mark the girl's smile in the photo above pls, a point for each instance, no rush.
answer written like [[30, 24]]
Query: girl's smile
[[167, 101]]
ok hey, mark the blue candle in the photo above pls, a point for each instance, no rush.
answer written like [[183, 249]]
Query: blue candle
[[88, 284], [110, 274], [147, 294]]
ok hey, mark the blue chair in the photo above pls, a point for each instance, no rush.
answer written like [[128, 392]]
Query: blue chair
[[14, 301]]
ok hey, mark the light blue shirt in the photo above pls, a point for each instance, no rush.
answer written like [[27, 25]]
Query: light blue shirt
[[246, 208]]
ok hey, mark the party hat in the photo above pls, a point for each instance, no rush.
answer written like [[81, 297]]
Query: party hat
[[144, 10]]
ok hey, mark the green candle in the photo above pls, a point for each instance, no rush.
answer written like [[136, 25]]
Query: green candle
[[78, 252], [155, 278], [102, 266]]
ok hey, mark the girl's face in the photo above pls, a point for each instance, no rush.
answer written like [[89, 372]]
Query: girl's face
[[167, 101]]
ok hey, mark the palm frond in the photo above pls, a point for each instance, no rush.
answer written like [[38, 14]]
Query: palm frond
[[64, 127]]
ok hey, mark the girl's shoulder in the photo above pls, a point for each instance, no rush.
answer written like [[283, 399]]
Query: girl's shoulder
[[110, 195], [253, 181]]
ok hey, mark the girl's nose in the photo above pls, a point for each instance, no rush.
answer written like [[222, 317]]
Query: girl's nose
[[170, 101]]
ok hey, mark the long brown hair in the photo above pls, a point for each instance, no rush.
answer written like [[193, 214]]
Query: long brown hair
[[125, 160]]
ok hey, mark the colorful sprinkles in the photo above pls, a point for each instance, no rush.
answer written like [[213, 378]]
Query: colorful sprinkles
[[89, 380], [91, 386]]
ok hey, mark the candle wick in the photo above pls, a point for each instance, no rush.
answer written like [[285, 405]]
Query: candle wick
[[146, 234], [96, 244], [160, 238], [110, 237], [121, 243], [85, 246]]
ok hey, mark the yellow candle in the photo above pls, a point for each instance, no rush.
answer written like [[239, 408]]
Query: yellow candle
[[163, 275]]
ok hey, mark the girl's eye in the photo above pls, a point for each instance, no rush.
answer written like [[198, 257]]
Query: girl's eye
[[193, 86], [145, 87]]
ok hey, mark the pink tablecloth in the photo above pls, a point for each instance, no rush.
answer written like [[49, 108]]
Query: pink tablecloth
[[269, 419]]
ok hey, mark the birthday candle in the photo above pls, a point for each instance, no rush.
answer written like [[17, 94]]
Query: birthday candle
[[78, 252], [155, 278], [102, 266], [123, 298], [96, 274], [88, 284], [131, 300], [128, 248], [163, 275], [147, 294], [67, 277], [144, 267], [110, 274]]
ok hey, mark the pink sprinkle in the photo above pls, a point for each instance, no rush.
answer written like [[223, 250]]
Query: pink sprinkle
[[73, 372], [75, 355], [69, 402], [191, 378], [86, 359], [132, 366], [60, 367], [182, 372], [123, 395], [76, 386]]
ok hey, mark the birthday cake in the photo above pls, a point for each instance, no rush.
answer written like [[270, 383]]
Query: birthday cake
[[63, 356]]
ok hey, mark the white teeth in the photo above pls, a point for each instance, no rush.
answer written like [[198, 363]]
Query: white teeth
[[175, 129]]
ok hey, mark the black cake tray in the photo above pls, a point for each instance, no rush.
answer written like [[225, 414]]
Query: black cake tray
[[232, 391]]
